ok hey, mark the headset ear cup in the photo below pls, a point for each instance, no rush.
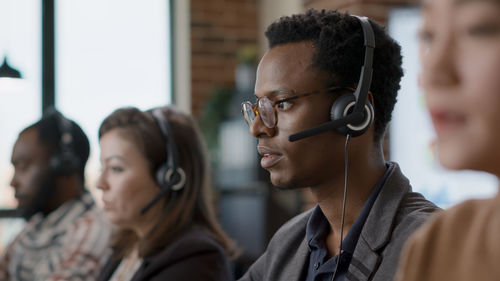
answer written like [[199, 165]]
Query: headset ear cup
[[55, 164], [367, 122], [338, 108], [169, 179], [64, 164], [342, 106], [161, 174]]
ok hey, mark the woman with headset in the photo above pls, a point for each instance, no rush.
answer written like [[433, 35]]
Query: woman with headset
[[460, 55], [157, 194]]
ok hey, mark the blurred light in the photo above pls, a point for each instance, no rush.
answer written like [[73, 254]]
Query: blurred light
[[11, 85]]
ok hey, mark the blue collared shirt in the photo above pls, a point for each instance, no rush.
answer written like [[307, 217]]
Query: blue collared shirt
[[320, 268]]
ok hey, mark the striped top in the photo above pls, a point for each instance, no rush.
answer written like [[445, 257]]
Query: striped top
[[71, 243]]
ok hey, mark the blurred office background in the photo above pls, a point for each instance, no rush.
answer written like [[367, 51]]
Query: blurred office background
[[89, 57]]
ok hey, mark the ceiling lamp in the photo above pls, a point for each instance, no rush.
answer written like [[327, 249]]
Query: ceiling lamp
[[6, 71]]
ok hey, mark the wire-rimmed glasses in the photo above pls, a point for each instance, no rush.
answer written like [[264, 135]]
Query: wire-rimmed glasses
[[266, 109]]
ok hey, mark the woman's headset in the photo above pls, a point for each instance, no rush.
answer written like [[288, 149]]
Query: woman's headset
[[170, 177]]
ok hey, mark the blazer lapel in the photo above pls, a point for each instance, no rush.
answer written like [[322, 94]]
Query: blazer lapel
[[363, 263], [377, 230], [295, 268]]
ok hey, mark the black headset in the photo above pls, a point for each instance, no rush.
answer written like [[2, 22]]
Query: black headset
[[64, 161], [351, 114], [170, 177]]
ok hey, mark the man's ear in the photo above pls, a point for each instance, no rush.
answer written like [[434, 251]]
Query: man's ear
[[371, 100]]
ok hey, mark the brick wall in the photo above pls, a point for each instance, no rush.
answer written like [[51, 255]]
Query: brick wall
[[219, 28]]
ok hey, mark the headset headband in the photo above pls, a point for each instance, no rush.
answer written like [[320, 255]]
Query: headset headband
[[365, 79], [360, 94], [165, 130]]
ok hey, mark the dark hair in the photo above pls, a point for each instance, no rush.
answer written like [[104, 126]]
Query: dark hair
[[339, 51], [193, 206], [50, 133]]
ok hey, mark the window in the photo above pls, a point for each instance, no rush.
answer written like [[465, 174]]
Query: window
[[20, 105], [110, 54], [20, 100]]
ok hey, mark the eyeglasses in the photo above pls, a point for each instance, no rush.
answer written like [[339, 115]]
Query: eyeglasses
[[266, 109]]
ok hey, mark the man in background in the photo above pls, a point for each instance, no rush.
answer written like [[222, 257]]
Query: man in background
[[65, 237]]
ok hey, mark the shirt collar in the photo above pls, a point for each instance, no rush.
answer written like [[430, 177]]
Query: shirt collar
[[318, 226], [68, 211]]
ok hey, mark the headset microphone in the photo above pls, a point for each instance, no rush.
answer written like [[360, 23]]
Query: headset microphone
[[153, 202], [156, 199], [349, 119], [351, 114]]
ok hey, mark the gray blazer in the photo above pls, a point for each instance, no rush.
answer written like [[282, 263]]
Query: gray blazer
[[396, 213]]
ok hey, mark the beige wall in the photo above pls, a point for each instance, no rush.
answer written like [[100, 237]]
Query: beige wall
[[271, 10], [375, 9], [182, 55]]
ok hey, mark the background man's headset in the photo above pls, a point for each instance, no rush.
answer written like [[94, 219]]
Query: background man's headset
[[170, 177], [350, 114], [64, 161]]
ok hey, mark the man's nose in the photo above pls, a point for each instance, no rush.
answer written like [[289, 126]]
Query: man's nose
[[14, 182], [258, 129]]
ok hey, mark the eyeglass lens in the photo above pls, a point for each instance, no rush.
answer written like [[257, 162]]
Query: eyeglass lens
[[265, 110], [248, 112]]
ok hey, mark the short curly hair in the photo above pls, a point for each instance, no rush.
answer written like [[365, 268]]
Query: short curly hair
[[339, 50]]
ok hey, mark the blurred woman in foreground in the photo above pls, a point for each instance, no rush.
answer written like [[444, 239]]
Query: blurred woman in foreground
[[460, 53]]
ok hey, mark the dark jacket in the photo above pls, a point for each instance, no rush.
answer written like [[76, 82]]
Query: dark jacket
[[195, 255], [396, 213]]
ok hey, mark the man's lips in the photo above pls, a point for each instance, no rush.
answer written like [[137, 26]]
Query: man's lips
[[22, 200], [269, 157], [20, 196], [446, 120]]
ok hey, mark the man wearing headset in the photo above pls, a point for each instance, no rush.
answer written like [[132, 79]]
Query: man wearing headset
[[314, 74], [65, 237]]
